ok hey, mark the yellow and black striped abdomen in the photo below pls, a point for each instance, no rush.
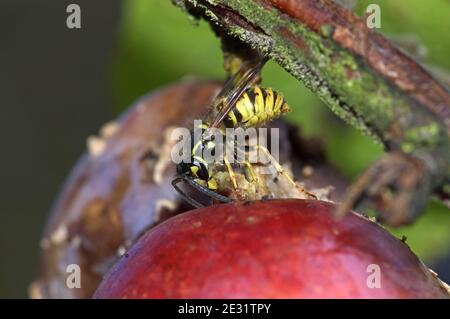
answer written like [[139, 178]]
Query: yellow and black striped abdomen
[[256, 107]]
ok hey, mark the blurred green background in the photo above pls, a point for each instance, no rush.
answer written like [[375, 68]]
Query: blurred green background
[[159, 45], [57, 86]]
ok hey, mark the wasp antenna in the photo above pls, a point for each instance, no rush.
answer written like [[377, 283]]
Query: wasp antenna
[[207, 191], [199, 188], [186, 197]]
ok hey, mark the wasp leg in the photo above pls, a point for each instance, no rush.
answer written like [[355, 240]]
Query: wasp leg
[[281, 171], [397, 185], [230, 172], [251, 171], [275, 163]]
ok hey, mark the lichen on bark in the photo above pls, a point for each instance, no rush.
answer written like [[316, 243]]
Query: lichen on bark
[[346, 82], [355, 71]]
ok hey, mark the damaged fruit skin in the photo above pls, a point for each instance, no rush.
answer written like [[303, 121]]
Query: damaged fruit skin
[[271, 249], [113, 194], [122, 186]]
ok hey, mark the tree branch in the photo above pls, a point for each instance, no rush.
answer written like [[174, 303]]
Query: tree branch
[[359, 74]]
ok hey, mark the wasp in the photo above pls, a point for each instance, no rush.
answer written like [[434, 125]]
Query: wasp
[[241, 103]]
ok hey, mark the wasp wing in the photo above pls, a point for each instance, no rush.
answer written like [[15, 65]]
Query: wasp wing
[[234, 88]]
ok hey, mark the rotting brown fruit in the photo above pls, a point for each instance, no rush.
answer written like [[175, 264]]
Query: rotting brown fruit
[[121, 186]]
